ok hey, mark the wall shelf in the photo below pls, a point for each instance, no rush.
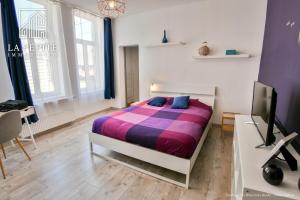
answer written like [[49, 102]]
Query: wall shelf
[[165, 44], [222, 56]]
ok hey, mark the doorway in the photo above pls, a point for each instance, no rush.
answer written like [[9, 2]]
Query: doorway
[[131, 62]]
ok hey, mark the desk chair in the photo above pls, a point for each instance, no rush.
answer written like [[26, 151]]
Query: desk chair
[[10, 128]]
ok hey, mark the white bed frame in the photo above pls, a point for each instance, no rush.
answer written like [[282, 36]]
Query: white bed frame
[[177, 164]]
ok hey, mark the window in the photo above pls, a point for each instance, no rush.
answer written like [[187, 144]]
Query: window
[[88, 50], [39, 69], [41, 52]]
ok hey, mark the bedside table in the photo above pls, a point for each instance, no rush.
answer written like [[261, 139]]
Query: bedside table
[[228, 116]]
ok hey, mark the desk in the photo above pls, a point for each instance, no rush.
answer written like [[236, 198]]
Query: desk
[[26, 112]]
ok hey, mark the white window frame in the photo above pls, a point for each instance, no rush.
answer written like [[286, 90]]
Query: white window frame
[[38, 95], [98, 48]]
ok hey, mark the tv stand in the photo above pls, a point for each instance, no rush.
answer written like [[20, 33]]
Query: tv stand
[[247, 180]]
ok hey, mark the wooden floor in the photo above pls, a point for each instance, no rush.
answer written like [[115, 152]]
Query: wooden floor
[[63, 168]]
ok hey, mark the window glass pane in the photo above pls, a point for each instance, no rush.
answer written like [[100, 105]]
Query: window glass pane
[[78, 27], [86, 30], [83, 28], [77, 20], [46, 82], [29, 75], [81, 72], [82, 84], [44, 68], [80, 59], [91, 71], [27, 64], [90, 54]]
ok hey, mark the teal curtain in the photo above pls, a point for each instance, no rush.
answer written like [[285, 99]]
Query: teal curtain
[[109, 88]]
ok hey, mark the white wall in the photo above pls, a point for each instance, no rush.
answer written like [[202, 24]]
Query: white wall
[[225, 24], [6, 90]]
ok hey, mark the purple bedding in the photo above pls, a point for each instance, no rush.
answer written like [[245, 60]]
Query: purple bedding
[[173, 131]]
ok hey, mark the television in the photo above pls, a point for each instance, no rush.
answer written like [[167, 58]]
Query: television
[[263, 111]]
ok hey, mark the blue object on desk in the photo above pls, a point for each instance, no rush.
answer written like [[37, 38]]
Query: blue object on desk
[[231, 52]]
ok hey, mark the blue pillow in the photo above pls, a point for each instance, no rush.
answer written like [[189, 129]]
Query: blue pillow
[[157, 101], [181, 102]]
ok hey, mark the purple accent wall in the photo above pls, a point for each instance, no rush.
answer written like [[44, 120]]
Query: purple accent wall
[[280, 62]]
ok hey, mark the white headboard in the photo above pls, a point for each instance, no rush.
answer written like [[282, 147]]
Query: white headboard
[[205, 94]]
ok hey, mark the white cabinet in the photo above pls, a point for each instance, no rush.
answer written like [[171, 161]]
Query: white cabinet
[[247, 179]]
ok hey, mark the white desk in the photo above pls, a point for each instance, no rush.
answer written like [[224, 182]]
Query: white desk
[[26, 112], [247, 179]]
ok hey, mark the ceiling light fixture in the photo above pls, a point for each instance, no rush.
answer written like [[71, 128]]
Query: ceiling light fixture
[[111, 8]]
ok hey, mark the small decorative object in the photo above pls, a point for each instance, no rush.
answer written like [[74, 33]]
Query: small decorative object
[[273, 174], [111, 8], [165, 39], [204, 50], [231, 52]]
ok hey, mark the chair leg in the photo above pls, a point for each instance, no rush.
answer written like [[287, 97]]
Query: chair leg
[[21, 146], [2, 169], [3, 150]]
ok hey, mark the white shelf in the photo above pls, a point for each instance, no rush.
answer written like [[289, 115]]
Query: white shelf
[[222, 56], [165, 44]]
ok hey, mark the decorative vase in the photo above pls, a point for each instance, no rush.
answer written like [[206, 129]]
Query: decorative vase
[[165, 39], [273, 174], [204, 50]]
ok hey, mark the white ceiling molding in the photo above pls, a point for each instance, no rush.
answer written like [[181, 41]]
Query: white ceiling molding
[[132, 6]]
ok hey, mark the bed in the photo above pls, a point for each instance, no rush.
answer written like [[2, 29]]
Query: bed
[[169, 138]]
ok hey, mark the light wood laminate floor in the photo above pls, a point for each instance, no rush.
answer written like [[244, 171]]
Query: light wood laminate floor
[[63, 168]]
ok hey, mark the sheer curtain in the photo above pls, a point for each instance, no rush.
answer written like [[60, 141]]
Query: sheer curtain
[[88, 37], [44, 49], [59, 40]]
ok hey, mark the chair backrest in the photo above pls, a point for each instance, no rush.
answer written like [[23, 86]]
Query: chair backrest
[[10, 126]]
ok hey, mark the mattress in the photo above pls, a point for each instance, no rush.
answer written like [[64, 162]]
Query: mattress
[[172, 131]]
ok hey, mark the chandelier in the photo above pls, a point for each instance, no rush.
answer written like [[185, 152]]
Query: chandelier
[[111, 8]]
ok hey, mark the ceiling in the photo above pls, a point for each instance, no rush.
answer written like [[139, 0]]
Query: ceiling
[[132, 6]]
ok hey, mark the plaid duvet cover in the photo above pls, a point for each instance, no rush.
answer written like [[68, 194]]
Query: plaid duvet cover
[[172, 131]]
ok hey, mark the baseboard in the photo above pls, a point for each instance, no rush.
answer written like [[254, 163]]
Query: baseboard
[[61, 126]]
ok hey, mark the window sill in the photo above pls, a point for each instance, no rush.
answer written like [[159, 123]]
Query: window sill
[[45, 100]]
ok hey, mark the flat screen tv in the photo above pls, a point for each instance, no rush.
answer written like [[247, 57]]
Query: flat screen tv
[[263, 111]]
